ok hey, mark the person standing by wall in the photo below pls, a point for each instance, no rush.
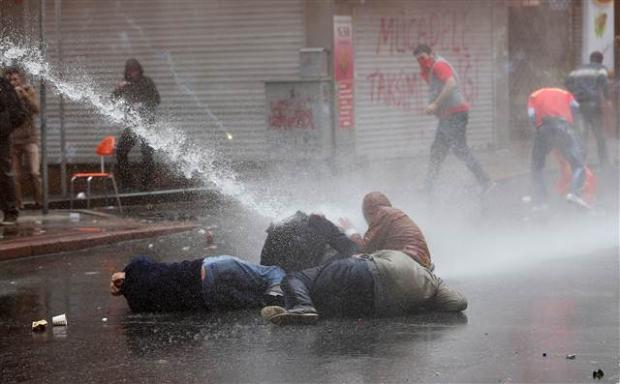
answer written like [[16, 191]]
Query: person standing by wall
[[588, 84], [141, 96], [449, 105], [26, 141], [12, 115]]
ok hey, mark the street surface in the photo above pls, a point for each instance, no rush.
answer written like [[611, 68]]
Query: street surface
[[539, 288]]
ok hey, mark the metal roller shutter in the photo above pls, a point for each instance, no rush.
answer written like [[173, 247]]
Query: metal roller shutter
[[211, 54], [390, 94]]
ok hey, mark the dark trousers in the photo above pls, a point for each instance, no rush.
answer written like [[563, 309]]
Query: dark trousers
[[451, 135], [126, 142], [344, 287], [8, 202], [593, 121], [558, 134]]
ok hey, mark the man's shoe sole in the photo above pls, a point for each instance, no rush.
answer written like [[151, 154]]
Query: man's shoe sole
[[295, 319], [270, 311]]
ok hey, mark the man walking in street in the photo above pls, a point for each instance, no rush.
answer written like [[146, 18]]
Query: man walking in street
[[551, 112], [588, 84], [141, 96], [26, 141], [447, 102]]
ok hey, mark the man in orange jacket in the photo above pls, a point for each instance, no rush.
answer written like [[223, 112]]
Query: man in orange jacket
[[551, 112]]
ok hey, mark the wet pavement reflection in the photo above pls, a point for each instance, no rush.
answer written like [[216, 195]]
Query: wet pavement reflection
[[547, 307]]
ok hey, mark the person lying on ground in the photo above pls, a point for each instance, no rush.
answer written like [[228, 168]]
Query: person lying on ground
[[303, 241], [210, 283], [384, 283], [388, 228]]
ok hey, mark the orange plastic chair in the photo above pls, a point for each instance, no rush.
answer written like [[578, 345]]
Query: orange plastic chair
[[104, 149]]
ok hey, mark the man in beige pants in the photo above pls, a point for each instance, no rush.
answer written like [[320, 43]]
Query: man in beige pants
[[384, 283], [26, 141]]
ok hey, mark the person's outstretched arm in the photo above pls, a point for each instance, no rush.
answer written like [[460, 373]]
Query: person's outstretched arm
[[333, 235]]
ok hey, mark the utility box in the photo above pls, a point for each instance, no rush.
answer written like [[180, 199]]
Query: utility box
[[313, 63], [299, 119]]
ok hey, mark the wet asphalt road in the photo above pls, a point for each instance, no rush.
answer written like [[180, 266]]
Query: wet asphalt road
[[527, 312]]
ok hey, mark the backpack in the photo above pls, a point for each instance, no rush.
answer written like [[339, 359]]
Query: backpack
[[13, 112]]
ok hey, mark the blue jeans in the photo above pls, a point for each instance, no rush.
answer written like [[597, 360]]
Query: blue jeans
[[232, 283], [557, 133]]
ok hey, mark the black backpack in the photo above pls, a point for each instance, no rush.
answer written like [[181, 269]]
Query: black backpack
[[13, 112]]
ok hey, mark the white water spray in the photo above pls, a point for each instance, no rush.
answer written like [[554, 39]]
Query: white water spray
[[189, 159]]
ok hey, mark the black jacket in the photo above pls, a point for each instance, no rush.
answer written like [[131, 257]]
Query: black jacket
[[152, 286], [12, 110], [140, 94], [588, 83], [301, 241]]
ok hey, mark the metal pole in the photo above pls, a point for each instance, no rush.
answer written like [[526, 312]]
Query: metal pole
[[61, 101], [42, 115]]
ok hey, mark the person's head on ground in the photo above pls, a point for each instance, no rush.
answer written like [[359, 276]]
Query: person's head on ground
[[116, 283], [15, 75], [133, 70], [596, 57], [371, 204]]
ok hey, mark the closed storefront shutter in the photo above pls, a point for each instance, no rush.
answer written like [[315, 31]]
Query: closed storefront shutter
[[390, 95], [208, 58]]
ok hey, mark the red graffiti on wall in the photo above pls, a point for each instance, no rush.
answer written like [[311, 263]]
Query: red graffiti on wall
[[447, 33], [403, 90], [291, 113]]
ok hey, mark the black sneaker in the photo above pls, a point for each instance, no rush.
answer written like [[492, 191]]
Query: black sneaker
[[10, 218]]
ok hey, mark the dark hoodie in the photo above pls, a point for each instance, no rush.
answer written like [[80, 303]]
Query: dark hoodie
[[151, 286], [141, 94], [304, 241]]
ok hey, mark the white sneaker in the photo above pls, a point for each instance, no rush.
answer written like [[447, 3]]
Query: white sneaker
[[578, 201]]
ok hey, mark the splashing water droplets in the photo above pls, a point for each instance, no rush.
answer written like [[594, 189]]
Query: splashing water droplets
[[190, 159]]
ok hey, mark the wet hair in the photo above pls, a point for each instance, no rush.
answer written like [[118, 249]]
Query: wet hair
[[422, 48], [596, 57], [133, 63]]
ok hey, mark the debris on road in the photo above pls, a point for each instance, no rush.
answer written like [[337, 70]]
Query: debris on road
[[39, 326], [598, 374], [59, 320], [571, 356]]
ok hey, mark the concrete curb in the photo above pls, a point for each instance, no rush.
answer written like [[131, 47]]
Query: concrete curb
[[35, 247]]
